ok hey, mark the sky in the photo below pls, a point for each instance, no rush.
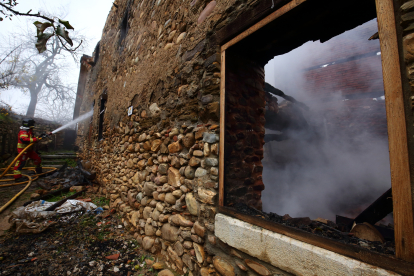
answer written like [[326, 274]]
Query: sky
[[88, 16]]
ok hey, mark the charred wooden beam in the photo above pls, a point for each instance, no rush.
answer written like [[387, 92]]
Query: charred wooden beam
[[377, 210]]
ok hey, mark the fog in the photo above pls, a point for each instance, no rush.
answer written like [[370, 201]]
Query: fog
[[340, 164]]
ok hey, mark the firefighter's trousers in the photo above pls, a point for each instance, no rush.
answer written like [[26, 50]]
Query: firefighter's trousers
[[21, 162]]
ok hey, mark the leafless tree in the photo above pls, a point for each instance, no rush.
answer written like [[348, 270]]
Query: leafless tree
[[43, 76]]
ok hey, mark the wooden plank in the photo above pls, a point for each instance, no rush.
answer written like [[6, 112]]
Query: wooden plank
[[60, 202], [246, 19], [289, 6], [379, 209], [397, 132], [364, 255], [222, 126]]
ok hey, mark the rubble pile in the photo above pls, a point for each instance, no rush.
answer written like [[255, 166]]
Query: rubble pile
[[320, 227], [79, 244]]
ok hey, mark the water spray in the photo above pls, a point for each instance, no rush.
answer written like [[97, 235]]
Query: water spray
[[77, 120]]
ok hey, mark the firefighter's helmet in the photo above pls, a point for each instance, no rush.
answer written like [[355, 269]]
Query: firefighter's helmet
[[28, 123]]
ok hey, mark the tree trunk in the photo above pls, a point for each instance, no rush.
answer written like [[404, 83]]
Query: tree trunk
[[32, 106]]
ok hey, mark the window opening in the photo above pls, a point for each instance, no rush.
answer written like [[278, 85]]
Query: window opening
[[306, 140], [124, 27], [102, 110]]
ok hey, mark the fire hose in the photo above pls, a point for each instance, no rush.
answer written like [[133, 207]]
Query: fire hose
[[36, 176]]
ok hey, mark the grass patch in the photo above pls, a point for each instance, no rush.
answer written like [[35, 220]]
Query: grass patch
[[61, 196], [100, 201], [71, 163]]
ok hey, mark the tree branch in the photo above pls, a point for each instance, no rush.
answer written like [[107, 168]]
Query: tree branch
[[9, 54], [69, 50], [27, 14]]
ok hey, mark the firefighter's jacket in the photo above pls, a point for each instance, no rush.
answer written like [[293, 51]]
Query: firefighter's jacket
[[25, 138]]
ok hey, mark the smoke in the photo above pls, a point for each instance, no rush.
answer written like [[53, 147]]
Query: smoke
[[342, 164]]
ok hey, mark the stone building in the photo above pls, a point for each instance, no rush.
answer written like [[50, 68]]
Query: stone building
[[177, 135]]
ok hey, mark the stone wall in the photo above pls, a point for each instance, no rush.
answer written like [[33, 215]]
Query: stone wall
[[8, 136], [159, 166]]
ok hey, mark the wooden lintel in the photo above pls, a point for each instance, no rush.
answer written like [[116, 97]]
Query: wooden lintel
[[289, 6], [397, 132], [361, 254]]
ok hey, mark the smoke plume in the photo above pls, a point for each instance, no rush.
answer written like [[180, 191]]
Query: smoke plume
[[344, 165]]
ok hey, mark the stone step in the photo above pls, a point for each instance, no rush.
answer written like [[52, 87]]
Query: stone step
[[58, 156], [52, 162], [53, 166]]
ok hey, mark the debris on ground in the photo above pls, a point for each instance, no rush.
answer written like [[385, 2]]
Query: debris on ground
[[82, 237]]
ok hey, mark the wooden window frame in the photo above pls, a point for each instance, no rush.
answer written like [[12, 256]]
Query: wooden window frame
[[398, 148]]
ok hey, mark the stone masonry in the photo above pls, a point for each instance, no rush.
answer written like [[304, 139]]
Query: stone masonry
[[159, 166]]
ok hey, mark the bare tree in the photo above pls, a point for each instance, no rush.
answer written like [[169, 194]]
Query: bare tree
[[55, 111], [43, 76]]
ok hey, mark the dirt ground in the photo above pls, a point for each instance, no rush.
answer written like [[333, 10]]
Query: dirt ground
[[77, 244]]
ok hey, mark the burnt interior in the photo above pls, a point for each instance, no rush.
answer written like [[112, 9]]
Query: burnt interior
[[250, 110]]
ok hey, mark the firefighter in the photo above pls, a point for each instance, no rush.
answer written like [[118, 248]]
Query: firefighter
[[24, 139]]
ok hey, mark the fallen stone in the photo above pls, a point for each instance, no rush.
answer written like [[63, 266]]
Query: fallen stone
[[148, 242]]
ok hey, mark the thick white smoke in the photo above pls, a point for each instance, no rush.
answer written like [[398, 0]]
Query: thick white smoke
[[334, 173]]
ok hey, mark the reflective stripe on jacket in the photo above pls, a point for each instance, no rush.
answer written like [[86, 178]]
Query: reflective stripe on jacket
[[25, 138]]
